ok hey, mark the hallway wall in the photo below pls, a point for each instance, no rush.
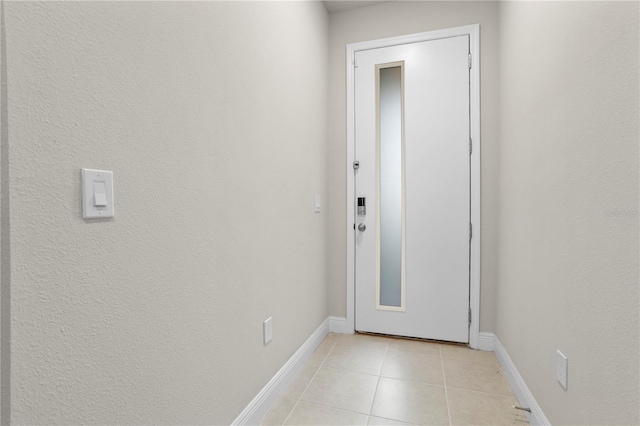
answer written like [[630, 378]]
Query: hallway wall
[[221, 120], [212, 116], [394, 19], [568, 213]]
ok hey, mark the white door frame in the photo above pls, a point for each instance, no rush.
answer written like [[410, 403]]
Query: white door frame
[[473, 31]]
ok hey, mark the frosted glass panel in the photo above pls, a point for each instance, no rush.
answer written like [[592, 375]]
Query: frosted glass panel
[[390, 185]]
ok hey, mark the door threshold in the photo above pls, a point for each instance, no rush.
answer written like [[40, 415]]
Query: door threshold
[[417, 339]]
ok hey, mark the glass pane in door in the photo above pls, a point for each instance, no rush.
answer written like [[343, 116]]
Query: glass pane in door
[[390, 208]]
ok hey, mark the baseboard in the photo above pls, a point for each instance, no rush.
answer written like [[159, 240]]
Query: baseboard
[[485, 341], [523, 394], [338, 325], [262, 403]]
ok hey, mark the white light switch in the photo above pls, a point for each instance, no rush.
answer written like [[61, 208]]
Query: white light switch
[[97, 193], [317, 204]]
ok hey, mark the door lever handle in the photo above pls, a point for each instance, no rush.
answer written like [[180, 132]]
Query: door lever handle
[[362, 227]]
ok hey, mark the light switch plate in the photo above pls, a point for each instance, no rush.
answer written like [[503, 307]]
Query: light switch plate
[[316, 204], [267, 330], [97, 205], [562, 369]]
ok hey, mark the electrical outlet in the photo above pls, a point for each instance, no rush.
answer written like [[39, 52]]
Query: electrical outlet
[[267, 330], [562, 366]]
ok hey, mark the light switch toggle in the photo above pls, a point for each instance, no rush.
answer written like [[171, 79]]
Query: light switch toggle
[[99, 194]]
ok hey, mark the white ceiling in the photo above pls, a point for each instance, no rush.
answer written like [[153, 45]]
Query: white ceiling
[[334, 6]]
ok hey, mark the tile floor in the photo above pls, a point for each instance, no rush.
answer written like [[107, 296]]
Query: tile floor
[[371, 380]]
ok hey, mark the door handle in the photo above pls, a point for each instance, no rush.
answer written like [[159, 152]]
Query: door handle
[[362, 227]]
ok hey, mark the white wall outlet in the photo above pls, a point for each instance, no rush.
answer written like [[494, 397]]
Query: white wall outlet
[[267, 330], [562, 366]]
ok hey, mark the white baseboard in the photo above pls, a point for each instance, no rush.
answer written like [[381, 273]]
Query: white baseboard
[[338, 325], [485, 341], [523, 394], [262, 403]]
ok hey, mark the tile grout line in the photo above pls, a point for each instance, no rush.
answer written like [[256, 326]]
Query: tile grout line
[[472, 361], [319, 404], [483, 392], [308, 384], [375, 392], [360, 372], [433, 385], [444, 379]]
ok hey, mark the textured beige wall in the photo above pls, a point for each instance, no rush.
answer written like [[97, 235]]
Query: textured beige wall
[[393, 19], [568, 240], [213, 118]]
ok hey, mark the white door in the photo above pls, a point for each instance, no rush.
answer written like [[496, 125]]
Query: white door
[[413, 180]]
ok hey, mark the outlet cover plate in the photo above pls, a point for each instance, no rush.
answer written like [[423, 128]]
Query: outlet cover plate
[[562, 369], [267, 330]]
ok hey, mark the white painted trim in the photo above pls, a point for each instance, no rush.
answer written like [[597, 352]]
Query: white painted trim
[[473, 31], [262, 403], [351, 195], [474, 261], [485, 341], [338, 325], [522, 392]]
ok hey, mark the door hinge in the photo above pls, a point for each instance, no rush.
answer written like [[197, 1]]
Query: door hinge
[[469, 316], [470, 146], [356, 165], [470, 231], [469, 60], [354, 63]]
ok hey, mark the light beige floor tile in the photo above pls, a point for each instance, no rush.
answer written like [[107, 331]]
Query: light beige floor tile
[[417, 346], [362, 359], [331, 337], [300, 382], [379, 421], [311, 414], [476, 408], [478, 376], [466, 354], [341, 389], [414, 367], [279, 412], [411, 402], [321, 353], [362, 340]]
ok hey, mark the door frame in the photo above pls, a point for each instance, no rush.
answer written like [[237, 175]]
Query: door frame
[[473, 31]]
